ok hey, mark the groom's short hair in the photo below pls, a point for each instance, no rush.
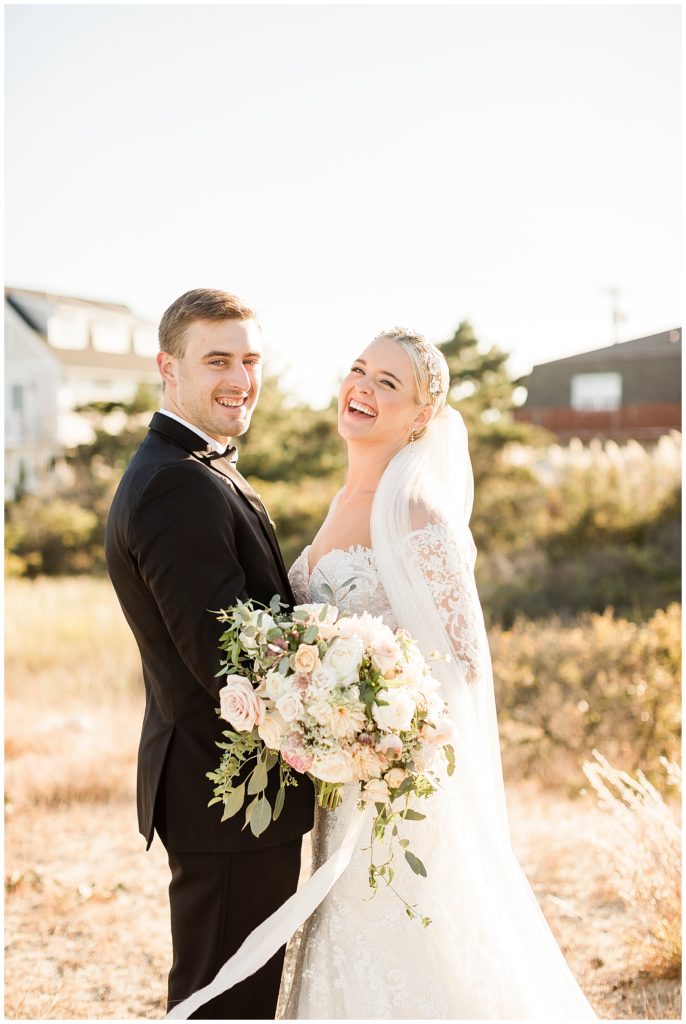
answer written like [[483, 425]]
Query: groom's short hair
[[199, 304]]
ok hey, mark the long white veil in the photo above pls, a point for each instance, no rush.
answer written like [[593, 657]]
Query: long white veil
[[432, 481], [425, 554]]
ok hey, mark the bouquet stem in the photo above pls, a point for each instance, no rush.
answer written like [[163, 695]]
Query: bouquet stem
[[329, 795]]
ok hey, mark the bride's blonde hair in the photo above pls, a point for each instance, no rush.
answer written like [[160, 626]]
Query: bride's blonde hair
[[430, 369]]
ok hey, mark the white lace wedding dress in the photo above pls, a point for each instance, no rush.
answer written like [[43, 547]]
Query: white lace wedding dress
[[488, 953]]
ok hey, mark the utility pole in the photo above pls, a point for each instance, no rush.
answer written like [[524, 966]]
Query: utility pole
[[617, 316]]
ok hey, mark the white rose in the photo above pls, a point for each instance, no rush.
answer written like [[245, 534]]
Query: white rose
[[395, 777], [443, 734], [386, 655], [320, 710], [289, 706], [315, 610], [344, 656], [249, 642], [276, 685], [413, 672], [272, 729], [426, 756], [264, 623], [323, 680], [397, 714], [307, 658], [435, 707], [240, 705], [332, 766], [371, 629], [389, 745], [376, 792]]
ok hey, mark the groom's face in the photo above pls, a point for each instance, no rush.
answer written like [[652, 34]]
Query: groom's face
[[216, 383]]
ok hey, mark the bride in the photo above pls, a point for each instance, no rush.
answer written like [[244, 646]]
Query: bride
[[396, 542]]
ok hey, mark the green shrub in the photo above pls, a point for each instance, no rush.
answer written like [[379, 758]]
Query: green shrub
[[52, 538], [602, 682]]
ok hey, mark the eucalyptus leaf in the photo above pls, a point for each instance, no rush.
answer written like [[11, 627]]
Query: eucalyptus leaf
[[328, 593], [415, 864], [261, 816], [310, 634], [249, 811], [410, 815], [258, 779], [279, 802], [234, 802]]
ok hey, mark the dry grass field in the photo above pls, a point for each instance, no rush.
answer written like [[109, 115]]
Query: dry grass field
[[86, 930]]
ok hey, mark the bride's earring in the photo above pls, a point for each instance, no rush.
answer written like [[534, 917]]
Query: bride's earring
[[412, 441]]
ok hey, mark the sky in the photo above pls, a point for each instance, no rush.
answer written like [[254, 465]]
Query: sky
[[349, 168]]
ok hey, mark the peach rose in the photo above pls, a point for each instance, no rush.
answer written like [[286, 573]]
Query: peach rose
[[307, 659], [240, 706]]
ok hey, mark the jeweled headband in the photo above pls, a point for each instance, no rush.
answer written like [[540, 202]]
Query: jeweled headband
[[434, 360]]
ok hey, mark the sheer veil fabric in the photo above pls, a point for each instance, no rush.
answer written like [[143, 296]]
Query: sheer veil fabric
[[489, 952]]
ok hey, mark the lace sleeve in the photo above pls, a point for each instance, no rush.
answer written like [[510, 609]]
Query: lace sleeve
[[448, 571], [298, 575]]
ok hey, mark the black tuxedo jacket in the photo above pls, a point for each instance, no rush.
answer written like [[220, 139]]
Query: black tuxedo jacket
[[186, 534]]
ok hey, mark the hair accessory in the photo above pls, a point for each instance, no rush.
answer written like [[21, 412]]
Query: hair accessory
[[434, 360]]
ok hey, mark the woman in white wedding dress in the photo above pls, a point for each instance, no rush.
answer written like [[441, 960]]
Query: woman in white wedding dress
[[396, 542]]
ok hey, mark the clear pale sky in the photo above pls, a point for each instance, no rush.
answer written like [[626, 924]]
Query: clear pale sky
[[348, 168]]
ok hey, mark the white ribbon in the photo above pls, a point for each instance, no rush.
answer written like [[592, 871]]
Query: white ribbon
[[264, 941]]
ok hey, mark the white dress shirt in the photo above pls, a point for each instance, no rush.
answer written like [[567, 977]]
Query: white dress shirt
[[218, 446]]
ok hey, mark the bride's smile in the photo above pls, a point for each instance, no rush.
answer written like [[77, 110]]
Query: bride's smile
[[378, 398]]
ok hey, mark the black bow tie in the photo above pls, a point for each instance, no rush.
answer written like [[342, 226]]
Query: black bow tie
[[230, 453]]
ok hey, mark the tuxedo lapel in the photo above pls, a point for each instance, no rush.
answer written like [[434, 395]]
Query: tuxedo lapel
[[196, 446], [242, 486]]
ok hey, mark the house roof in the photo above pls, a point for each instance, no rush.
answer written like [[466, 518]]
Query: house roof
[[654, 346], [72, 300], [91, 358], [81, 358]]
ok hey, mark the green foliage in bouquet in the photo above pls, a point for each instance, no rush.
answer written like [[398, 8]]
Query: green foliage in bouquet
[[337, 698]]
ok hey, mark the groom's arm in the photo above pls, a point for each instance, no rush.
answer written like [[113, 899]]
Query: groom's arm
[[182, 536]]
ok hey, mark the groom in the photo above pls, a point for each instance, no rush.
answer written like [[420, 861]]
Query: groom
[[185, 534]]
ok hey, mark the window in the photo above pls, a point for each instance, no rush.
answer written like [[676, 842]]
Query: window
[[145, 341], [17, 401], [111, 336], [596, 392], [65, 331]]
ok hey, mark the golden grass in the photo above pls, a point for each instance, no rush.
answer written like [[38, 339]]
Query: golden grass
[[74, 694], [80, 892], [67, 638], [644, 862]]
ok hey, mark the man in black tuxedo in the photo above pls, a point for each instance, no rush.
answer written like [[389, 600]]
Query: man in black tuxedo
[[186, 534]]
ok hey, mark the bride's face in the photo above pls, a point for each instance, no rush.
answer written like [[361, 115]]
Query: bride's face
[[377, 401]]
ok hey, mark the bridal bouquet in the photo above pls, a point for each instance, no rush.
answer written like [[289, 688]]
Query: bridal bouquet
[[340, 698]]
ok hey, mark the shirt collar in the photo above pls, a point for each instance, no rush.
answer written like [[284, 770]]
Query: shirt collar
[[218, 446]]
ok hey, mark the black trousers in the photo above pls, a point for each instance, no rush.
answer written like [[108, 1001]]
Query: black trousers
[[216, 900]]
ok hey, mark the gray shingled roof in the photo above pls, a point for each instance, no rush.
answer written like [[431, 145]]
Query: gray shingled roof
[[655, 346]]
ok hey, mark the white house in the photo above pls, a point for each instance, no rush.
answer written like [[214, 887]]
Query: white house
[[62, 352]]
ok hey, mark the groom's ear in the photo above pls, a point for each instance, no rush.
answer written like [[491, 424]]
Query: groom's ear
[[166, 366]]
